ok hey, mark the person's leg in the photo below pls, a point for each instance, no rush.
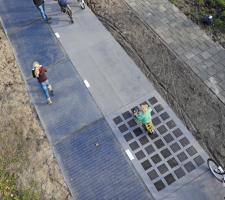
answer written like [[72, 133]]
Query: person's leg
[[49, 87], [41, 8], [45, 89], [149, 127]]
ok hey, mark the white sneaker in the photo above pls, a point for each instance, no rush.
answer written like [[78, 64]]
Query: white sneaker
[[49, 101]]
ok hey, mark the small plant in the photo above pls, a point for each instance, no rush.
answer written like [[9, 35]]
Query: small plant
[[9, 190], [220, 4], [222, 16], [210, 3]]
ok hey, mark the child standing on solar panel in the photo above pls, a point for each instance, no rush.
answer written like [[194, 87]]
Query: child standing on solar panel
[[40, 5], [65, 8], [38, 72], [144, 116]]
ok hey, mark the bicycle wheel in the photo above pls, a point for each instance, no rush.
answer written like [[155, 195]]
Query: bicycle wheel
[[82, 5], [214, 168], [69, 13]]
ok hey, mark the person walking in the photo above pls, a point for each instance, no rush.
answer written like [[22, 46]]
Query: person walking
[[144, 116], [39, 72], [40, 5]]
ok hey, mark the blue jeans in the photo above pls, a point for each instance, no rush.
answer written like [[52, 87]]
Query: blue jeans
[[41, 9], [44, 86]]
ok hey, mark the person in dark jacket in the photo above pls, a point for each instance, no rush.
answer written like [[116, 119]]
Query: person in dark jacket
[[40, 71], [40, 5]]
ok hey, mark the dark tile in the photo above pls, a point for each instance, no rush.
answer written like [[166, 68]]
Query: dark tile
[[159, 185], [179, 172], [162, 168], [132, 123], [134, 145], [169, 179], [152, 113], [158, 108], [153, 135], [143, 140], [199, 160], [149, 149], [117, 120], [140, 155], [137, 131], [172, 162], [184, 141], [159, 143], [126, 115], [128, 137], [156, 158], [146, 165], [168, 138], [152, 174], [189, 166], [191, 151], [182, 156], [175, 147], [123, 128], [162, 129], [164, 116], [153, 100], [171, 124], [165, 153], [177, 132], [156, 121]]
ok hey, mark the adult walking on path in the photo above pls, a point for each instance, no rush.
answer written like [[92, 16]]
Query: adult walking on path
[[40, 4], [39, 73]]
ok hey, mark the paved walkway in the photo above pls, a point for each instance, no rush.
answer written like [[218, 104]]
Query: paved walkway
[[187, 40], [102, 151]]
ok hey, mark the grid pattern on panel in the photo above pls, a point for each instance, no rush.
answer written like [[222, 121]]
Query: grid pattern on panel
[[167, 155]]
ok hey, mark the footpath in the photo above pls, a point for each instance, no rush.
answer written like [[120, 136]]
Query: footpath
[[188, 42], [102, 152]]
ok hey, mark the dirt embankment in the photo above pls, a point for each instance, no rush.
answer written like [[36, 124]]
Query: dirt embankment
[[27, 166], [193, 102]]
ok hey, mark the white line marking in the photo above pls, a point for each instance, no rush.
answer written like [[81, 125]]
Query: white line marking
[[57, 35], [86, 83], [131, 157]]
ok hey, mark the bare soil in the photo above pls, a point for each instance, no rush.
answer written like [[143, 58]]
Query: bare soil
[[198, 108], [24, 148]]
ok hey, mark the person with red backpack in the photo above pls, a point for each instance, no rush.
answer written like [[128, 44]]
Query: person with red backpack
[[39, 73]]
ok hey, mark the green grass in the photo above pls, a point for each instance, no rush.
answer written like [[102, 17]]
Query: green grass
[[9, 190], [199, 8], [12, 160]]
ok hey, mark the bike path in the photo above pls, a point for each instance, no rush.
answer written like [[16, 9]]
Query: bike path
[[94, 164], [73, 123], [170, 163]]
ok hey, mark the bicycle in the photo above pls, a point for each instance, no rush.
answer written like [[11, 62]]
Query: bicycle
[[65, 8], [216, 170], [81, 2]]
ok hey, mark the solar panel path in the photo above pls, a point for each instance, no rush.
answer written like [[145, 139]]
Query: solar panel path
[[102, 151]]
